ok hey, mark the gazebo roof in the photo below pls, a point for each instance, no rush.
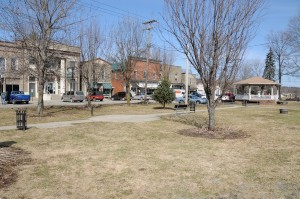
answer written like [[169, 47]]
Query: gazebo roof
[[256, 81]]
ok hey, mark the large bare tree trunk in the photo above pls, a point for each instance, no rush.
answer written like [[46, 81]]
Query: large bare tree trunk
[[128, 93], [40, 106]]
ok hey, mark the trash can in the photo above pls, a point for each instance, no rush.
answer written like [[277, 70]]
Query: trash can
[[21, 121], [193, 106], [244, 103]]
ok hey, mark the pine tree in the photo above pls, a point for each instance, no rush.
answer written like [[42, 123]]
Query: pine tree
[[269, 72], [164, 94]]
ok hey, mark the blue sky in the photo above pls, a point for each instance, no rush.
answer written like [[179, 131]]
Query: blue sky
[[276, 18]]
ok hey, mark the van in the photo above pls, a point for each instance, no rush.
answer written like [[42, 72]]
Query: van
[[179, 93], [73, 96]]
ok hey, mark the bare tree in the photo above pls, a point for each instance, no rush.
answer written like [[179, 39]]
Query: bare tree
[[92, 68], [279, 43], [250, 68], [38, 26], [293, 33], [166, 58], [213, 34], [129, 42]]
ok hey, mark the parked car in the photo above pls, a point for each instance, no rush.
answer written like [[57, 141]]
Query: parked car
[[180, 100], [73, 96], [17, 96], [198, 94], [120, 96], [197, 100], [94, 96], [141, 96], [228, 97]]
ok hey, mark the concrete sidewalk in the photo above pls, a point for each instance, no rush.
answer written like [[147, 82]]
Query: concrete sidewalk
[[102, 118]]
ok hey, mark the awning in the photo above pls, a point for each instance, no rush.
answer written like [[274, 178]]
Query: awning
[[107, 86], [149, 85]]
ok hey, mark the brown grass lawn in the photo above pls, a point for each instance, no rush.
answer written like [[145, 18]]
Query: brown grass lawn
[[152, 160]]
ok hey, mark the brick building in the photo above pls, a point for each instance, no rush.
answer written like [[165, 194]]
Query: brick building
[[138, 76]]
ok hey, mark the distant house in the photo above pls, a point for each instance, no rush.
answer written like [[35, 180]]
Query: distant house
[[96, 74]]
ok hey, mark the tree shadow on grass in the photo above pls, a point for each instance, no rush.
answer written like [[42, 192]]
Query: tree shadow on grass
[[162, 108], [7, 144], [10, 159]]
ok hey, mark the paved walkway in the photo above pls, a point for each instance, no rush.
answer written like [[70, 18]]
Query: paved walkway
[[102, 118]]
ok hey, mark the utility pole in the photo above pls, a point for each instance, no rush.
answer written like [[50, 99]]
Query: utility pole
[[148, 55], [187, 78]]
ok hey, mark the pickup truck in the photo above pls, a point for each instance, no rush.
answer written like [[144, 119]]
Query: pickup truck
[[18, 96]]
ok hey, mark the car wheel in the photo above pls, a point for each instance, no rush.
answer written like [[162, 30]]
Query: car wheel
[[101, 100]]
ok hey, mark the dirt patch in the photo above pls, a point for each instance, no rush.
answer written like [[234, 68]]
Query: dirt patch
[[219, 133], [10, 158]]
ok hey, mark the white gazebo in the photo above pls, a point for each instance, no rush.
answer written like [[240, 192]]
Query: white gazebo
[[256, 89]]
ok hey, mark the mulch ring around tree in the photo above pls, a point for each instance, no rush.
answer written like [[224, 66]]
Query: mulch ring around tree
[[218, 133], [10, 159]]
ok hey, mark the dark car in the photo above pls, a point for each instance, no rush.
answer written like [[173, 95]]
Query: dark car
[[228, 97], [95, 96], [120, 96]]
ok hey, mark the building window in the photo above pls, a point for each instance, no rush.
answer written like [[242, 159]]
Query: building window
[[145, 74], [71, 70], [2, 65], [14, 65], [72, 85], [102, 75], [176, 77], [32, 61], [154, 76], [135, 74], [31, 79]]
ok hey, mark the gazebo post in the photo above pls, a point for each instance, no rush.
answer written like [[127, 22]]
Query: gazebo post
[[272, 93], [249, 93]]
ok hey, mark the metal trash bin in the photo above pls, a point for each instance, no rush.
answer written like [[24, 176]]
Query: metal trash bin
[[193, 106], [21, 120]]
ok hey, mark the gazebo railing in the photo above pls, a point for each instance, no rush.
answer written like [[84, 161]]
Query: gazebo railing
[[256, 97]]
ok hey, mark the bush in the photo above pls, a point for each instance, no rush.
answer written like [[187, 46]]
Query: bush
[[164, 94]]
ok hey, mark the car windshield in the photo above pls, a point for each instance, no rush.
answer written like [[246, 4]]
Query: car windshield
[[18, 92], [79, 93]]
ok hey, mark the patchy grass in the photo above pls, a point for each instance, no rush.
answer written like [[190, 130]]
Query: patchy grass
[[151, 160]]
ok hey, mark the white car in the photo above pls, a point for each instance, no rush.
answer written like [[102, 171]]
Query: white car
[[141, 97]]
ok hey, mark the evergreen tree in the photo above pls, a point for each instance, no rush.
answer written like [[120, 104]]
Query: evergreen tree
[[269, 72], [164, 94]]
